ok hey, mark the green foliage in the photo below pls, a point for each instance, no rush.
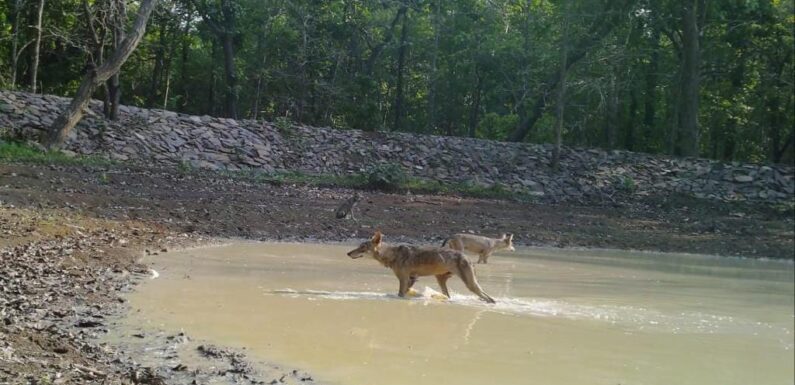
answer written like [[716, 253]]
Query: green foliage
[[284, 125], [472, 68], [184, 167], [494, 125], [386, 177], [626, 184], [18, 152]]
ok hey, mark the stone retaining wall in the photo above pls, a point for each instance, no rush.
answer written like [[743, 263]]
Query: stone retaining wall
[[169, 138]]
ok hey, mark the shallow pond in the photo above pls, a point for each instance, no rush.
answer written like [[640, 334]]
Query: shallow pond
[[562, 316]]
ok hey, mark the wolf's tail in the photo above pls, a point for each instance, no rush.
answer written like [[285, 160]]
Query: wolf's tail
[[445, 242]]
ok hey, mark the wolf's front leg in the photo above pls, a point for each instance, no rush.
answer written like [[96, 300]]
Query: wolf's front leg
[[404, 285], [412, 281]]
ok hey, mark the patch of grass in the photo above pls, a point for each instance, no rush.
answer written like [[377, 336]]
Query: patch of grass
[[785, 208], [496, 191], [626, 183], [297, 178], [284, 125], [20, 152], [184, 167], [363, 181], [387, 177], [104, 178]]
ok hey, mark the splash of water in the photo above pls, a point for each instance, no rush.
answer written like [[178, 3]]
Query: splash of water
[[632, 317]]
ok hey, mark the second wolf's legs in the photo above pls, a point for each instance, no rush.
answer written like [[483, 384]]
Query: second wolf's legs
[[483, 258], [442, 279], [455, 244]]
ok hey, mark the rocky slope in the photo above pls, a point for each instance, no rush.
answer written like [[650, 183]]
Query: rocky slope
[[169, 138]]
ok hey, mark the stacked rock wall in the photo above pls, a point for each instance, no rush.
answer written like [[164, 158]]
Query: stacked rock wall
[[169, 138]]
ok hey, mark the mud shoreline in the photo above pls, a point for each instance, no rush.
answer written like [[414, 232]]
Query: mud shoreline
[[71, 238], [63, 285]]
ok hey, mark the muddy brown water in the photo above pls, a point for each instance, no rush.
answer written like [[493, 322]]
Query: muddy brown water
[[562, 317]]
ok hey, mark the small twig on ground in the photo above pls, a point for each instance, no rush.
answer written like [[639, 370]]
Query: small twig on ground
[[93, 371], [427, 202]]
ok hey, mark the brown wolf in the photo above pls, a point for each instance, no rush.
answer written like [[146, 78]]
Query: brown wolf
[[410, 262], [483, 246]]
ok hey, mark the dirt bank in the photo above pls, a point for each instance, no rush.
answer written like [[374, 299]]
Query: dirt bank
[[211, 204], [62, 280]]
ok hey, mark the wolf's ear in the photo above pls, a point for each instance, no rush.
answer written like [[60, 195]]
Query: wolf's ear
[[503, 236], [376, 238], [510, 236]]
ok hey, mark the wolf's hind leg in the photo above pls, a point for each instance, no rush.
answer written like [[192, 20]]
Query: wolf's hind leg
[[442, 279], [468, 276]]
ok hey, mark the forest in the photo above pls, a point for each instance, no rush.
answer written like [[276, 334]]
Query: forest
[[686, 78]]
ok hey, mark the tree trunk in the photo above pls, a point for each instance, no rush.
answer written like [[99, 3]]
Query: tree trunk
[[74, 112], [165, 94], [400, 69], [475, 108], [774, 130], [650, 96], [673, 131], [691, 62], [257, 95], [432, 77], [34, 68], [261, 52], [183, 73], [157, 70], [629, 140], [114, 85], [15, 41], [231, 75], [561, 102], [612, 114], [211, 97], [302, 69], [376, 51], [519, 99], [222, 21]]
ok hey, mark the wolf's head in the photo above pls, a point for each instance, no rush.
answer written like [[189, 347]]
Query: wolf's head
[[367, 248], [506, 242]]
